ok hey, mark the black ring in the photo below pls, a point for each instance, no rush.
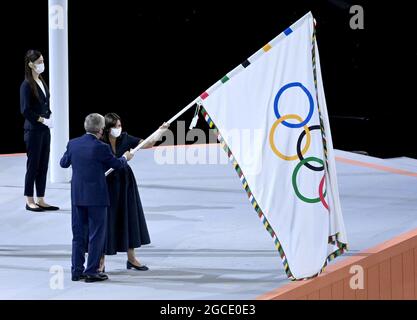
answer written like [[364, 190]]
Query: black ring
[[300, 155]]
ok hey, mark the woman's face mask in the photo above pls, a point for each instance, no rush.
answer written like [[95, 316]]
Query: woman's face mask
[[39, 68], [116, 132]]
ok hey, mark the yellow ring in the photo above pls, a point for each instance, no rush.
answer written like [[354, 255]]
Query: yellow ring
[[272, 134]]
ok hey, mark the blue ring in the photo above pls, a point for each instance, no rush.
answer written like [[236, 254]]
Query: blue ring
[[310, 99]]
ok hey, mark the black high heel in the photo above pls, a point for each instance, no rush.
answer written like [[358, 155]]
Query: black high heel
[[130, 265]]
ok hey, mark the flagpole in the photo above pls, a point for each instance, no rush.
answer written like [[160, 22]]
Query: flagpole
[[150, 137]]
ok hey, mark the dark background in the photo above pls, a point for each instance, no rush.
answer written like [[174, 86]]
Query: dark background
[[145, 61]]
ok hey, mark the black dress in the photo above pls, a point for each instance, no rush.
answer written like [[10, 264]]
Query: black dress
[[126, 224]]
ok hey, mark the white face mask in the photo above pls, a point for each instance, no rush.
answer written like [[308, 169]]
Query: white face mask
[[39, 68], [116, 132]]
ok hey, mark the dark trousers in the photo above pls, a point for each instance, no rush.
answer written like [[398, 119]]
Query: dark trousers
[[88, 230], [37, 147]]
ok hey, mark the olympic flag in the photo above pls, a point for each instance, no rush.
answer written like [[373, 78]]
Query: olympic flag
[[271, 117]]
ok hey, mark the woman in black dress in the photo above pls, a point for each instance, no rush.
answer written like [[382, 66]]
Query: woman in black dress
[[126, 224]]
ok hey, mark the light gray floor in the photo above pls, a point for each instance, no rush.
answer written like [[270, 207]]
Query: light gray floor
[[207, 241]]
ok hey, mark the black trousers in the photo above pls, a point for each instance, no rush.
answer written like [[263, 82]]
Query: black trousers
[[89, 231], [37, 147]]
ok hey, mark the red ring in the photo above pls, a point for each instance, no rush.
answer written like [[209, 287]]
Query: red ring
[[323, 201]]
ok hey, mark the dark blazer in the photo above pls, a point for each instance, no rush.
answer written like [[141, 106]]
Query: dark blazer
[[32, 108], [90, 159]]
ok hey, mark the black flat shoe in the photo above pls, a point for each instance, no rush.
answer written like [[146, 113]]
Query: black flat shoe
[[34, 209], [96, 277], [130, 265], [50, 208]]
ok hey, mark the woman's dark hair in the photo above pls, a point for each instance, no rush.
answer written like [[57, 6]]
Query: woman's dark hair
[[110, 121], [32, 56]]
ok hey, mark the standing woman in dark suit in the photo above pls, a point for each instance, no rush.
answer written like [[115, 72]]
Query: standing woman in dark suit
[[34, 106], [126, 224]]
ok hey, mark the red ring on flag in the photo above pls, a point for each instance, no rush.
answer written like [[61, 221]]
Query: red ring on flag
[[321, 195]]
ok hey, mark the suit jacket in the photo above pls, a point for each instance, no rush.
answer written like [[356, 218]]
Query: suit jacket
[[90, 159], [32, 108]]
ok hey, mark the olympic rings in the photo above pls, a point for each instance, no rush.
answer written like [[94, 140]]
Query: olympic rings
[[310, 99], [321, 186], [272, 134], [300, 153]]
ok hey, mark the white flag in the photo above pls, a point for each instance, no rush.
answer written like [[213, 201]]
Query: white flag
[[272, 120]]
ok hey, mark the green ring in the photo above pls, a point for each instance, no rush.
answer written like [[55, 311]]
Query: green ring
[[294, 181]]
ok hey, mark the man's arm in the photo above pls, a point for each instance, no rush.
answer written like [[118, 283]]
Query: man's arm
[[66, 159], [109, 160]]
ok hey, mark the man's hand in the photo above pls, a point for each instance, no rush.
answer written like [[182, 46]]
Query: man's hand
[[128, 155]]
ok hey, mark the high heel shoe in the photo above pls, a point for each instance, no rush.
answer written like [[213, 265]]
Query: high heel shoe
[[130, 265]]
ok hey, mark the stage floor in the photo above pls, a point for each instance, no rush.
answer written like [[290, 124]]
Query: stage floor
[[207, 241]]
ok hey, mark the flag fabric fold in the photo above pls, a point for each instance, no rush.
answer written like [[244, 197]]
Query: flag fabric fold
[[271, 119]]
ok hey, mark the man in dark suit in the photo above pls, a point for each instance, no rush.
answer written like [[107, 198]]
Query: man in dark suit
[[90, 159]]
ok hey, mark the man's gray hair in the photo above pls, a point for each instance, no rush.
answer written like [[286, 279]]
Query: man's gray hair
[[94, 123]]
